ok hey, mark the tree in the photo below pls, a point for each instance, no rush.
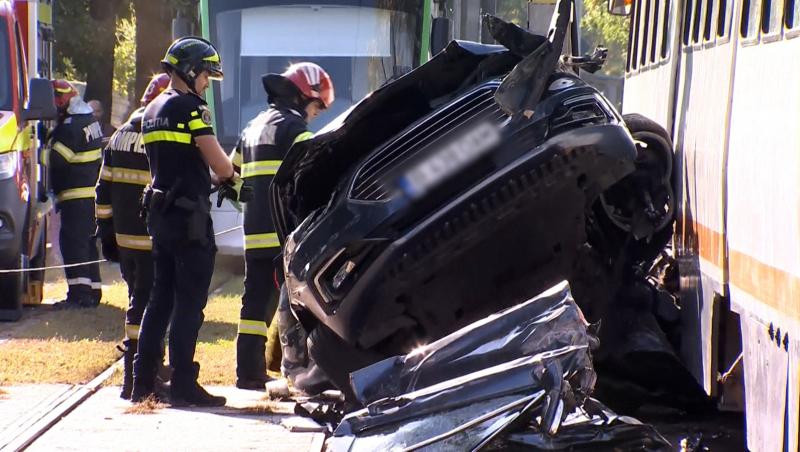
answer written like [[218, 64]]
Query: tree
[[153, 35], [601, 28]]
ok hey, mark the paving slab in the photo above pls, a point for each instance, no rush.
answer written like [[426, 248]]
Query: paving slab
[[21, 406], [102, 423]]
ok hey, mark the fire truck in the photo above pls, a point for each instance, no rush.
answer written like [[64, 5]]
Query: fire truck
[[26, 98]]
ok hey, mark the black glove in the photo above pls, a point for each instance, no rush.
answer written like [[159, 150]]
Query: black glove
[[110, 250]]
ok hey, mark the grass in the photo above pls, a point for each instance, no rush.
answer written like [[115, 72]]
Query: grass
[[148, 406], [75, 346]]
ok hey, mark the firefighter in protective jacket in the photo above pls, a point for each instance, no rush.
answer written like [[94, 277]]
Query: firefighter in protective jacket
[[73, 160], [120, 227], [295, 98]]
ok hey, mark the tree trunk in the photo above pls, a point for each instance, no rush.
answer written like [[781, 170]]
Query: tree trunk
[[153, 36], [100, 77]]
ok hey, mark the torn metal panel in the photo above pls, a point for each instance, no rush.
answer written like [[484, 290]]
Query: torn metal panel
[[549, 321]]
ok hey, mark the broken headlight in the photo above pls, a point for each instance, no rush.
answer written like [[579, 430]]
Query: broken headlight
[[337, 276]]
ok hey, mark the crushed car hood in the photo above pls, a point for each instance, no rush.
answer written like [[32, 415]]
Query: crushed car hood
[[314, 169]]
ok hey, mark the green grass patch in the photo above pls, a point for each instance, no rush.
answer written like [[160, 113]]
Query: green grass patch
[[74, 346]]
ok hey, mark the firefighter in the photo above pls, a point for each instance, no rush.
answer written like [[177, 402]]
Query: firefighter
[[73, 159], [122, 232], [181, 146], [295, 98]]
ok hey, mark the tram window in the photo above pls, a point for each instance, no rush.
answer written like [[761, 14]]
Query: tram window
[[636, 25], [654, 39], [708, 21], [770, 17], [665, 30], [687, 22], [645, 32], [722, 22], [791, 13], [750, 19], [698, 10], [631, 37]]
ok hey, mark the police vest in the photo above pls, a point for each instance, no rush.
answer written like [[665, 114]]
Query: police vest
[[170, 124], [123, 176], [258, 155], [73, 157]]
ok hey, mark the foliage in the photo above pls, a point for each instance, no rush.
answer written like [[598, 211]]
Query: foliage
[[125, 57], [515, 11], [74, 35], [599, 28]]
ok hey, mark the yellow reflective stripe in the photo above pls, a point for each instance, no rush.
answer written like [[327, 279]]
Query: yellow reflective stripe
[[131, 176], [134, 242], [195, 124], [106, 173], [76, 157], [261, 168], [236, 158], [213, 58], [167, 135], [172, 59], [195, 113], [255, 327], [75, 193], [132, 332], [256, 241], [103, 211], [303, 137]]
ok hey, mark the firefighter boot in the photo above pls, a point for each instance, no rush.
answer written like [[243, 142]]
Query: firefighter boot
[[251, 366], [186, 391], [129, 348]]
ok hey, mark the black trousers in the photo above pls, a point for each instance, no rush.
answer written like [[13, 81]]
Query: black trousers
[[137, 271], [180, 293], [259, 304], [78, 245]]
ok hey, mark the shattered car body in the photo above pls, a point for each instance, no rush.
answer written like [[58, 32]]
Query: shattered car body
[[523, 375], [468, 179]]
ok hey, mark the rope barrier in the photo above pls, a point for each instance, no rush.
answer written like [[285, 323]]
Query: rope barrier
[[56, 267]]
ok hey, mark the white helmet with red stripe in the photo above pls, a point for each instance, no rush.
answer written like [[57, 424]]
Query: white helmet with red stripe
[[312, 81]]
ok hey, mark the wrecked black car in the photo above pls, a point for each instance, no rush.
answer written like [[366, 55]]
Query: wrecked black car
[[477, 176]]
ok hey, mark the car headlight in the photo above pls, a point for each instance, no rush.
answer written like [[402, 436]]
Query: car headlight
[[8, 164]]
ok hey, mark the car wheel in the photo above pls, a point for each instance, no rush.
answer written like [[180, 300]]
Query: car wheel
[[338, 358], [12, 290]]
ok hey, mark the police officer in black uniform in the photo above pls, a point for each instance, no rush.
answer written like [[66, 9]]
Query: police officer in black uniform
[[73, 158], [122, 232], [296, 97], [181, 147]]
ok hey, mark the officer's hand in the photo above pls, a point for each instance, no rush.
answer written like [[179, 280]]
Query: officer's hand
[[110, 250]]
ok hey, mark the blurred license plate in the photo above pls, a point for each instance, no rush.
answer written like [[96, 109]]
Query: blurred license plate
[[450, 159]]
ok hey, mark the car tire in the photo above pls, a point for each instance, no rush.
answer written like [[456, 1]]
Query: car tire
[[338, 358], [12, 291]]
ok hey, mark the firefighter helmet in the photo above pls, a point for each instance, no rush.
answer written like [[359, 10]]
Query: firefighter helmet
[[157, 85], [188, 57], [63, 92], [310, 80]]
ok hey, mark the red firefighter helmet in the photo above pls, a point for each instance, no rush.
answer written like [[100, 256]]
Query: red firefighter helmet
[[63, 91], [312, 81], [157, 85]]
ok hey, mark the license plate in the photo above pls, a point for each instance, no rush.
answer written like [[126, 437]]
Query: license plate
[[450, 159]]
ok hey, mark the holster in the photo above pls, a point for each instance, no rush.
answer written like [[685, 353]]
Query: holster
[[176, 218]]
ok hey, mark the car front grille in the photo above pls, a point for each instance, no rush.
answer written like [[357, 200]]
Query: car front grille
[[370, 183]]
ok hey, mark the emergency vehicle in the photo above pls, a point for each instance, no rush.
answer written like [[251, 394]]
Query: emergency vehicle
[[25, 53]]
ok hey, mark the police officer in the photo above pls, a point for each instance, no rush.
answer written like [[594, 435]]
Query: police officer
[[122, 232], [73, 158], [295, 98], [181, 146]]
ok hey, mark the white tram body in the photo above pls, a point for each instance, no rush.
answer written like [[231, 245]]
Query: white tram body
[[724, 78]]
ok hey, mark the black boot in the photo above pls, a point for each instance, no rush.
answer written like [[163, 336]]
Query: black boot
[[251, 365], [186, 391], [144, 380], [129, 348]]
